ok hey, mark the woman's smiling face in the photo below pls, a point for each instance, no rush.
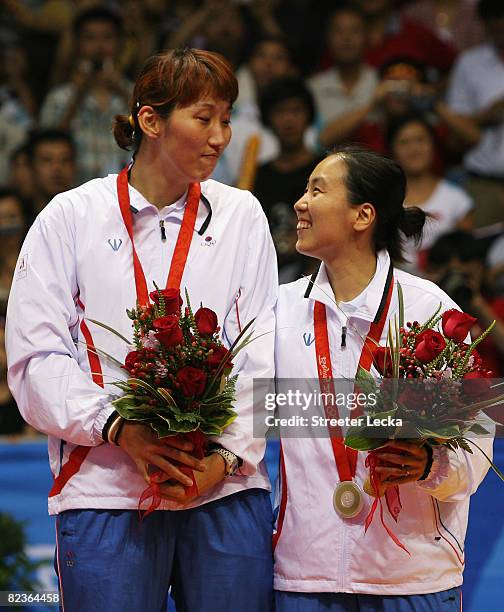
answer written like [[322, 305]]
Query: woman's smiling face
[[326, 219]]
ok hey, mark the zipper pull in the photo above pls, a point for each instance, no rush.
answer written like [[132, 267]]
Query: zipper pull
[[343, 336], [162, 228]]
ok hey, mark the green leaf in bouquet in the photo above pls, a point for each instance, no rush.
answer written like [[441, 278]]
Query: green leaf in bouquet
[[110, 329], [479, 430], [163, 428], [369, 437], [210, 430], [190, 417], [433, 320], [464, 445], [138, 382], [361, 443], [98, 352], [165, 394], [122, 385], [461, 369], [366, 381], [217, 425], [232, 352], [215, 398], [131, 409], [400, 297], [445, 432]]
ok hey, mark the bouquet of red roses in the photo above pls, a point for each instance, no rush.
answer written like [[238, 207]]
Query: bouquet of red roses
[[178, 369], [434, 386], [179, 374]]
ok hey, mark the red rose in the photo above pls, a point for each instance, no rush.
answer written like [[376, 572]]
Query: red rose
[[168, 330], [476, 385], [383, 359], [206, 321], [456, 324], [428, 345], [131, 359], [192, 380], [171, 297], [218, 355]]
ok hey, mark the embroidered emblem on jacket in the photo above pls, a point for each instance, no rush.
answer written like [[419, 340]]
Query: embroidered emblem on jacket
[[115, 243], [308, 340]]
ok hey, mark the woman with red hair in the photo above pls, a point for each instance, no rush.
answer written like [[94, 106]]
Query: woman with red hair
[[87, 251]]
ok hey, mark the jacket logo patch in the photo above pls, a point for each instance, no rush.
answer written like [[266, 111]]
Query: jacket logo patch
[[208, 241], [308, 340], [115, 243], [22, 267]]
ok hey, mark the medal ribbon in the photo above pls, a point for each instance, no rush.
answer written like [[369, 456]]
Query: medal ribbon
[[177, 266], [346, 458], [182, 246]]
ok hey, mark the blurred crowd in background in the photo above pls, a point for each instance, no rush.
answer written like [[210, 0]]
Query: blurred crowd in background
[[422, 81]]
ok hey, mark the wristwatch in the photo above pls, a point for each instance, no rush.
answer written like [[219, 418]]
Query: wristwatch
[[231, 460]]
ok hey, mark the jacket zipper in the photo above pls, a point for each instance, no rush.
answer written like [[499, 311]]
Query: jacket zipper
[[162, 228]]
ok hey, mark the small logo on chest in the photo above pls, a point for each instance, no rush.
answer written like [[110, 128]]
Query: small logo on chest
[[208, 241], [308, 339], [115, 243]]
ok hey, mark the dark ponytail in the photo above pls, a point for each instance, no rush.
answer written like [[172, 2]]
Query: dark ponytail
[[379, 180], [412, 222], [124, 132]]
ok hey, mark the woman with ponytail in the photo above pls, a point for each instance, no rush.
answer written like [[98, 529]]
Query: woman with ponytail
[[160, 222], [353, 219]]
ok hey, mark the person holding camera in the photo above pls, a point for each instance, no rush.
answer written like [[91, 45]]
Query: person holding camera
[[95, 94], [403, 89]]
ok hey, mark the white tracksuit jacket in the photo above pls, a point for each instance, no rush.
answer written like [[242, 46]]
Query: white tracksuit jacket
[[317, 551], [77, 262]]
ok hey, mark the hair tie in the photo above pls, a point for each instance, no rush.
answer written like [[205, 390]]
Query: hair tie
[[131, 121]]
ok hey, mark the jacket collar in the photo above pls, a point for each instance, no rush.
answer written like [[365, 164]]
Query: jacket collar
[[318, 288], [138, 203]]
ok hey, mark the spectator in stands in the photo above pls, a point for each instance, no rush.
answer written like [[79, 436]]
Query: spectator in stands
[[456, 264], [252, 144], [287, 108], [477, 90], [270, 58], [17, 107], [97, 92], [455, 22], [13, 225], [20, 174], [52, 158], [392, 35], [411, 140], [403, 89], [214, 25], [349, 83]]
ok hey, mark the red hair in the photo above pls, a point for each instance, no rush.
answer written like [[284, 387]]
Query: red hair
[[176, 78]]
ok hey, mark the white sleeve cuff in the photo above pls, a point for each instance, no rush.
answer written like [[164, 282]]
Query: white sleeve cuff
[[439, 469], [99, 423]]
